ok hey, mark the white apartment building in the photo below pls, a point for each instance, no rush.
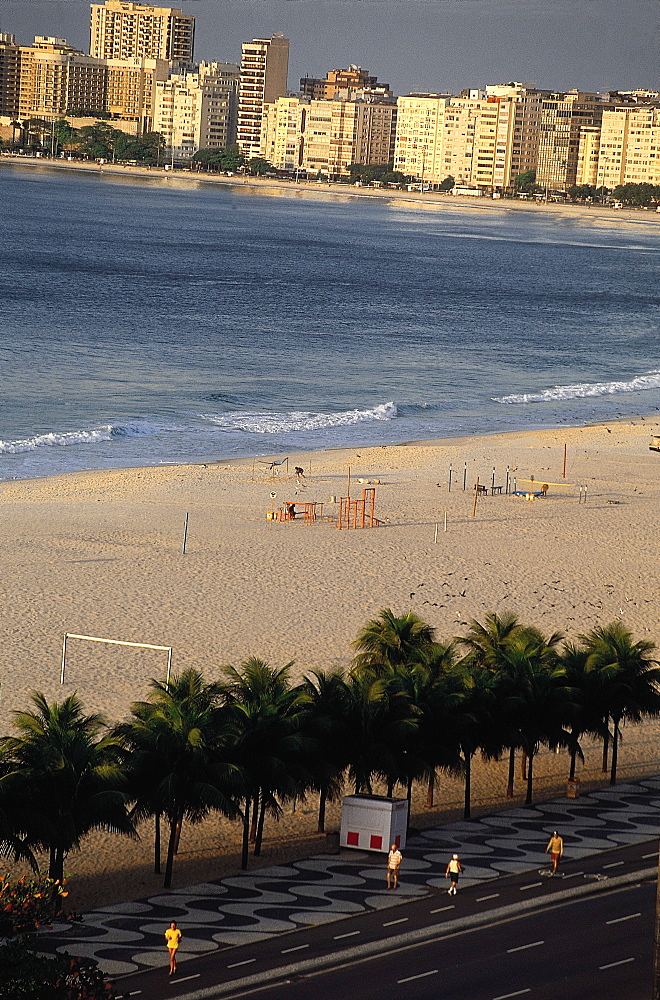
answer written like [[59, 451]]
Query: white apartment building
[[264, 71], [629, 147], [326, 136], [196, 108]]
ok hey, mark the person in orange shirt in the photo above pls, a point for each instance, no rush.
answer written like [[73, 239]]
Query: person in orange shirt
[[172, 938]]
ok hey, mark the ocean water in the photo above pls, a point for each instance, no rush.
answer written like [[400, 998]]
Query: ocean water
[[144, 323]]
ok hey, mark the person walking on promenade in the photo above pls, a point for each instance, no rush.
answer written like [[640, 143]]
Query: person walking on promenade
[[172, 938], [394, 860], [454, 869], [555, 849]]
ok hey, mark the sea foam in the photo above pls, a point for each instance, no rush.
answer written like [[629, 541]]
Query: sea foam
[[581, 390], [66, 439], [297, 420]]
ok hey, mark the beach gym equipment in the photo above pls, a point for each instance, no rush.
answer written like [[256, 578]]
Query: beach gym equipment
[[114, 642], [353, 513]]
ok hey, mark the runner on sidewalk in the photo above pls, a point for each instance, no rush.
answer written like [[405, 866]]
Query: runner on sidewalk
[[394, 860], [555, 849], [172, 938], [454, 869]]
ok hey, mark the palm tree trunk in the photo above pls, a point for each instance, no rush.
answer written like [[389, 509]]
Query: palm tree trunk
[[56, 863], [178, 835], [606, 744], [409, 800], [255, 814], [430, 791], [512, 772], [571, 773], [260, 827], [246, 834], [157, 843], [530, 778], [615, 750], [323, 797], [390, 788], [467, 805], [523, 766], [169, 864]]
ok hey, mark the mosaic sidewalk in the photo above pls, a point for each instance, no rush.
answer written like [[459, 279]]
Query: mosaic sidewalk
[[253, 906]]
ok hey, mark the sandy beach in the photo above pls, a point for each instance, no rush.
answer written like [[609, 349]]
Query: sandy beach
[[268, 187], [99, 554]]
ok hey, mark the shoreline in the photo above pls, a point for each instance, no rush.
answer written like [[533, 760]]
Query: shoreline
[[332, 190]]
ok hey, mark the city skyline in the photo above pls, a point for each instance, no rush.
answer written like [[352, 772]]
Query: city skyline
[[432, 46]]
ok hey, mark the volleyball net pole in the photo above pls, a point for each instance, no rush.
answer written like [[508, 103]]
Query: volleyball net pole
[[115, 642]]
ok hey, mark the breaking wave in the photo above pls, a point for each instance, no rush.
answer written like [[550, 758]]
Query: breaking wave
[[298, 420], [582, 390], [67, 439]]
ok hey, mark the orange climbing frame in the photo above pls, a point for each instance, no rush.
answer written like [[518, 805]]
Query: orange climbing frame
[[354, 514]]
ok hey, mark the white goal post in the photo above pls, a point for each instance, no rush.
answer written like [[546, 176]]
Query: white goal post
[[114, 642]]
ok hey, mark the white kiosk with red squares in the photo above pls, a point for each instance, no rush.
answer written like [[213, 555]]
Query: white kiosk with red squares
[[373, 822]]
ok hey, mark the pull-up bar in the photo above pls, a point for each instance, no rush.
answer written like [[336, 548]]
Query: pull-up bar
[[114, 642]]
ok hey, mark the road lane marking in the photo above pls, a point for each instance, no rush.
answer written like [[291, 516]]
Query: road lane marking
[[391, 923], [299, 947], [575, 874], [619, 920], [522, 947], [482, 899], [421, 975], [175, 982], [623, 961], [615, 864], [338, 937], [247, 961], [441, 909], [532, 885], [645, 856], [518, 993]]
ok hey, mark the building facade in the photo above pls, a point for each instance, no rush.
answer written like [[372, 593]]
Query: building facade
[[326, 137], [338, 81], [121, 29], [263, 79], [562, 118], [629, 146], [10, 75], [196, 108], [56, 79]]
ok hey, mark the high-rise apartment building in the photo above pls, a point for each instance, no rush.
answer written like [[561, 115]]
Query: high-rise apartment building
[[264, 70], [420, 127], [10, 75], [56, 79], [562, 118], [196, 108], [321, 136], [629, 146], [122, 29], [343, 83], [131, 89]]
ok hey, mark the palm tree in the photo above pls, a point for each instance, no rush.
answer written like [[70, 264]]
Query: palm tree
[[269, 746], [473, 724], [324, 705], [74, 777], [487, 645], [428, 700], [180, 740], [628, 678], [587, 712], [390, 641], [540, 702]]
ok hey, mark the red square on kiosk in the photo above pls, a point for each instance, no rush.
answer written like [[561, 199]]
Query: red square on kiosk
[[352, 839], [375, 843], [397, 840]]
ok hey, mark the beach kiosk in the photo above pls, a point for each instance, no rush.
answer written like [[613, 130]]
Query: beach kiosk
[[373, 822]]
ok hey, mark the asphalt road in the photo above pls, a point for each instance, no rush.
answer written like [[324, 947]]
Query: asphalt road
[[562, 947], [574, 951]]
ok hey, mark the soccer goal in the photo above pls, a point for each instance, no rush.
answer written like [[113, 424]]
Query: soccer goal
[[114, 642]]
